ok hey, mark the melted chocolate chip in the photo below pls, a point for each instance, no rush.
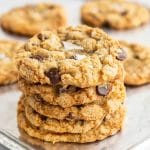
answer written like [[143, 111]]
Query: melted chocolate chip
[[79, 107], [124, 13], [103, 90], [53, 75], [34, 112], [42, 37], [72, 88], [37, 57], [106, 24], [37, 97], [35, 44], [51, 7], [38, 128], [69, 117], [81, 122], [60, 89], [73, 57], [91, 51], [104, 119], [136, 57], [44, 118], [121, 55]]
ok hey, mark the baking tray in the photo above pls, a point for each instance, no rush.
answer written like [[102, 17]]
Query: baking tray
[[136, 131]]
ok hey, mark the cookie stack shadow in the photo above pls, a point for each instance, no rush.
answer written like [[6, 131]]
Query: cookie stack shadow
[[67, 113]]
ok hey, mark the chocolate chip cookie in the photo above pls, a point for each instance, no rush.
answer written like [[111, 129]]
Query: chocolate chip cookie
[[71, 96], [115, 14], [110, 125], [91, 111], [8, 70], [137, 64], [31, 19], [59, 126], [80, 56]]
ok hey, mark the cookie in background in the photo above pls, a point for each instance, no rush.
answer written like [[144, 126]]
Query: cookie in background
[[31, 19], [119, 14], [137, 64], [8, 70]]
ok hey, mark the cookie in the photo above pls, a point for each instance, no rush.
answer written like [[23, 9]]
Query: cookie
[[137, 64], [115, 14], [31, 19], [8, 70], [37, 143], [57, 126], [111, 124], [80, 56], [91, 111], [72, 96]]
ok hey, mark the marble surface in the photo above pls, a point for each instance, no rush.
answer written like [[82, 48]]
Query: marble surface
[[136, 131]]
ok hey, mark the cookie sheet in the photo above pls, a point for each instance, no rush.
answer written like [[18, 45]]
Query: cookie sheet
[[136, 131]]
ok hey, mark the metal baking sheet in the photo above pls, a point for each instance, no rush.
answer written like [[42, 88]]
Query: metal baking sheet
[[136, 131]]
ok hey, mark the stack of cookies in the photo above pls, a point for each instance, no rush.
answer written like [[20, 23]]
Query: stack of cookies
[[73, 85]]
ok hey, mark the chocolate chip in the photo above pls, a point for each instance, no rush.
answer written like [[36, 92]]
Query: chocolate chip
[[51, 7], [104, 119], [73, 57], [69, 116], [59, 89], [37, 57], [44, 118], [79, 107], [81, 122], [121, 55], [42, 37], [106, 24], [124, 13], [53, 75], [34, 112], [103, 90], [35, 44], [38, 98], [136, 57], [38, 128], [91, 51], [72, 88]]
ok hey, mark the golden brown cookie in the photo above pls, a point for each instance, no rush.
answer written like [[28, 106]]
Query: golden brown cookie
[[111, 124], [31, 19], [70, 96], [59, 126], [91, 111], [80, 56], [137, 64], [8, 70], [116, 14]]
